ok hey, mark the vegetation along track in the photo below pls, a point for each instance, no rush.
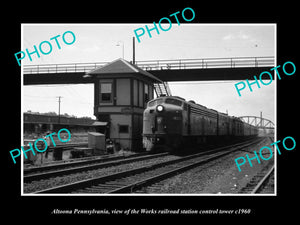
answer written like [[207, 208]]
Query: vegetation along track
[[133, 179]]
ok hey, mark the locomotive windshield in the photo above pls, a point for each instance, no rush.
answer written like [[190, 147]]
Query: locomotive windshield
[[155, 102], [173, 101]]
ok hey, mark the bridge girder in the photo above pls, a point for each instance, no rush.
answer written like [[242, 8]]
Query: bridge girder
[[258, 122], [236, 68]]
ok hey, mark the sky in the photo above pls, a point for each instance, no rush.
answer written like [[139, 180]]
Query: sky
[[99, 43]]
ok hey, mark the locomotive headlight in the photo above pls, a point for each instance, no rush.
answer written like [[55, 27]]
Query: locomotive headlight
[[160, 108]]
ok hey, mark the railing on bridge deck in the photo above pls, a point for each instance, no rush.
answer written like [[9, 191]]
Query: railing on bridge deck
[[235, 62], [207, 63], [61, 68]]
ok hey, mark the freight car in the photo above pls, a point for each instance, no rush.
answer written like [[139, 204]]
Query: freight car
[[172, 122]]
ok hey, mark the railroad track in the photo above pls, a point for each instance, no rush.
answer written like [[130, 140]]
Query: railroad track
[[131, 180], [77, 162], [257, 183], [47, 172], [259, 187], [271, 138]]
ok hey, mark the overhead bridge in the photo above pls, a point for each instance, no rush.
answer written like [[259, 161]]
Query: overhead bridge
[[235, 68], [259, 122]]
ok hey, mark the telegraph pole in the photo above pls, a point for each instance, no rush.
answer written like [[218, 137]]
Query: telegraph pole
[[59, 97], [133, 49]]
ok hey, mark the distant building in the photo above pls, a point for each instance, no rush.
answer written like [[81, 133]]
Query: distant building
[[39, 123]]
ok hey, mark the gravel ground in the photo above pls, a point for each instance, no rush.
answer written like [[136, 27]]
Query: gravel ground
[[56, 181], [220, 176], [217, 177], [70, 161]]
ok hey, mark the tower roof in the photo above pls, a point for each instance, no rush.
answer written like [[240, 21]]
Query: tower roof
[[121, 66]]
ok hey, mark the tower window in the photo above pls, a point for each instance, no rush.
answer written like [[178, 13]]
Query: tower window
[[123, 129], [105, 92]]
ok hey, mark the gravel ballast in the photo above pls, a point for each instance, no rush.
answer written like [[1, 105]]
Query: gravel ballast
[[220, 176]]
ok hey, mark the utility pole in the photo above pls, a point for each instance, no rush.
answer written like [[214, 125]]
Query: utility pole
[[59, 97], [133, 48]]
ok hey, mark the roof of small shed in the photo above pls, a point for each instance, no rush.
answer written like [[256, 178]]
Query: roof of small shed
[[121, 66]]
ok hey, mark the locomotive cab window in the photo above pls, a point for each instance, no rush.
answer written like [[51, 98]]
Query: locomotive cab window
[[173, 101], [155, 102], [152, 103], [146, 93], [184, 106]]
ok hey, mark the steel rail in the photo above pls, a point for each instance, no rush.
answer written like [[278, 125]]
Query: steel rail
[[79, 162], [263, 181], [46, 175], [157, 178], [67, 188]]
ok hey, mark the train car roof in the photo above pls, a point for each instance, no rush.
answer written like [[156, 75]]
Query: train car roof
[[202, 106], [191, 102]]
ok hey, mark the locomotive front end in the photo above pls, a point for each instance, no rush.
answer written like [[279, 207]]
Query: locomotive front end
[[162, 123]]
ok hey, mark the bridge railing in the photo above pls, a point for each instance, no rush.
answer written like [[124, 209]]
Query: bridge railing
[[235, 62], [207, 63], [61, 68]]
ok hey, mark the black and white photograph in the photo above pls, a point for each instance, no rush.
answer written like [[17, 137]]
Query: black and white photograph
[[139, 111]]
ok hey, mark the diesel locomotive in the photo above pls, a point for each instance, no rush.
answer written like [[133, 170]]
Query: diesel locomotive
[[173, 122]]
